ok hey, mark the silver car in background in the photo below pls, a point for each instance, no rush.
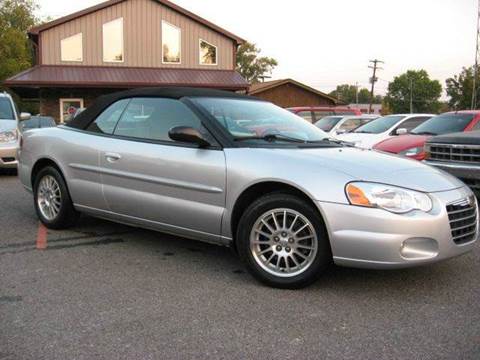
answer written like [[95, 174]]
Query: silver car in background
[[9, 131], [241, 172]]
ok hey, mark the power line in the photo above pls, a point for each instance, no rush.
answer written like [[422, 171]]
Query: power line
[[374, 79]]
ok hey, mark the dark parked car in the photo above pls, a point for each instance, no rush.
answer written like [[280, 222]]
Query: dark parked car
[[458, 154]]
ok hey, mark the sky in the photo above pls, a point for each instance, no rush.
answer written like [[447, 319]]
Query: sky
[[327, 43]]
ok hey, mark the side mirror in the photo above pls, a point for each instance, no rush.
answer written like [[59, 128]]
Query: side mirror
[[187, 135], [401, 131], [341, 131], [25, 116]]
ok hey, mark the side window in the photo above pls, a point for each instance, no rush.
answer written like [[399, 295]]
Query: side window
[[412, 123], [307, 115], [476, 126], [105, 122], [322, 114], [152, 119], [350, 124]]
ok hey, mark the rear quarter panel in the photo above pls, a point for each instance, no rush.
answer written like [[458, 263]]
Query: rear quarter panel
[[65, 148]]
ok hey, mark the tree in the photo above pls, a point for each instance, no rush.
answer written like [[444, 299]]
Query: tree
[[425, 93], [345, 93], [250, 65], [459, 89], [16, 17], [348, 94]]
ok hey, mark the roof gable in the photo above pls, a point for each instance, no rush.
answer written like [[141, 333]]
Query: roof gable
[[37, 29], [260, 87]]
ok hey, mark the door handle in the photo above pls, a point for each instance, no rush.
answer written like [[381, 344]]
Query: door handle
[[112, 157]]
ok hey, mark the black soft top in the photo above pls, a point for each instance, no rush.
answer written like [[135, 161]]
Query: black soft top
[[460, 138], [83, 119]]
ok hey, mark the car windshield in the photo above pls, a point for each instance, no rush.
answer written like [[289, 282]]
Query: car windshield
[[260, 121], [380, 125], [6, 110], [327, 123], [443, 124]]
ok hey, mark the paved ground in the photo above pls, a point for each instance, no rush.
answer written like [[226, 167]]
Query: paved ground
[[105, 291]]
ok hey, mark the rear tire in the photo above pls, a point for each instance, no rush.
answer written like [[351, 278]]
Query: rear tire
[[52, 200], [283, 241]]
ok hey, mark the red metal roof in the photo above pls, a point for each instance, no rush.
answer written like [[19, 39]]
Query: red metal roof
[[124, 77]]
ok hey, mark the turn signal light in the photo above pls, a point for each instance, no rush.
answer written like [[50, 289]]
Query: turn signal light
[[357, 196]]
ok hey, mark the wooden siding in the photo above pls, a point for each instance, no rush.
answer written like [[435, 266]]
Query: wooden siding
[[290, 95], [142, 21]]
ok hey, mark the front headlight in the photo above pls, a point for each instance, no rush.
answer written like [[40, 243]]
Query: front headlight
[[8, 136], [412, 151], [387, 197]]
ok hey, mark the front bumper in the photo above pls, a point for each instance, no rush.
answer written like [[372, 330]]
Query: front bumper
[[377, 239], [8, 156]]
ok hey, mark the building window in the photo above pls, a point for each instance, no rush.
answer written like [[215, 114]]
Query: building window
[[208, 53], [68, 108], [71, 48], [171, 43], [113, 41]]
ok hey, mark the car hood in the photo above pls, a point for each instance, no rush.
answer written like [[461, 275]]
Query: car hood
[[364, 141], [460, 138], [400, 143], [373, 166], [6, 125]]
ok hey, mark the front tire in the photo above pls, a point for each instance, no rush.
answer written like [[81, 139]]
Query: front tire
[[282, 240], [52, 200]]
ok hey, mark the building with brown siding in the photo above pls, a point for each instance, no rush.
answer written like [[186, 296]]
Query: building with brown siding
[[121, 44], [289, 93]]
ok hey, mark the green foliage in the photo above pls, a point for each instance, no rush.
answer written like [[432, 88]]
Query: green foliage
[[459, 90], [347, 94], [250, 65], [16, 17], [426, 93]]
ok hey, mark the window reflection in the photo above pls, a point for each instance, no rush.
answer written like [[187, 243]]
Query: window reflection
[[208, 53], [113, 41], [71, 48], [171, 43]]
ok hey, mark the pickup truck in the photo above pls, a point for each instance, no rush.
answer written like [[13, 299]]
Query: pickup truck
[[458, 154]]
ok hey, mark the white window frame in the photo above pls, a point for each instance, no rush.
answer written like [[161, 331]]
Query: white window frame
[[200, 52], [180, 45], [62, 100], [103, 41], [81, 45]]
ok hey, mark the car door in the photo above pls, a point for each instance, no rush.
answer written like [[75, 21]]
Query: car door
[[150, 179]]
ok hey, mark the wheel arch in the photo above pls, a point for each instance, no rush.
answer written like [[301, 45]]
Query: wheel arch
[[42, 163], [254, 191]]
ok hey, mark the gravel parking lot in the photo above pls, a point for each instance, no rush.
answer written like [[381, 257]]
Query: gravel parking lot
[[107, 291]]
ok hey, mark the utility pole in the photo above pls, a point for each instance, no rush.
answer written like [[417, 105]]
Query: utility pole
[[356, 92], [411, 96], [477, 59], [374, 79]]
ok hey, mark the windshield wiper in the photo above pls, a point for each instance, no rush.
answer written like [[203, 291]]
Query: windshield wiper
[[272, 138], [363, 132], [423, 133]]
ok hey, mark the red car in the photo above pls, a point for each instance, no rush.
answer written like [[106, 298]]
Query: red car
[[314, 113], [412, 144]]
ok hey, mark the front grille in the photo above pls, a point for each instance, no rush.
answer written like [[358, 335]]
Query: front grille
[[463, 220], [456, 153], [8, 159]]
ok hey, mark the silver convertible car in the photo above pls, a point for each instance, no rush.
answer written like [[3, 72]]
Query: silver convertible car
[[237, 171]]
